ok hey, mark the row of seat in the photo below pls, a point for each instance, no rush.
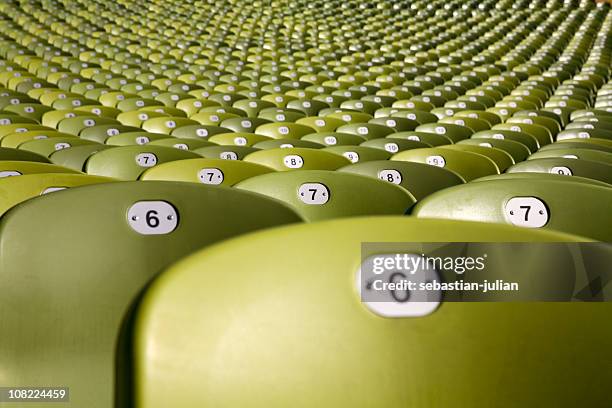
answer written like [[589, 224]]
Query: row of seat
[[153, 155]]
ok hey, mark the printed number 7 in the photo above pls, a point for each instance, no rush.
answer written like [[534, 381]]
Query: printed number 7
[[314, 192], [527, 208]]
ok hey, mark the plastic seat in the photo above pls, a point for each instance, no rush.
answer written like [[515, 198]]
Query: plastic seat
[[432, 139], [202, 132], [468, 165], [307, 106], [454, 132], [121, 236], [237, 139], [476, 125], [542, 134], [76, 156], [286, 143], [247, 125], [542, 176], [15, 190], [134, 138], [12, 168], [28, 110], [283, 130], [137, 118], [421, 117], [537, 203], [570, 133], [350, 117], [319, 194], [319, 124], [9, 154], [206, 171], [225, 152], [418, 178], [575, 153], [14, 140], [552, 125], [394, 145], [78, 124], [48, 146], [166, 124], [502, 159], [280, 115], [578, 144], [397, 124], [212, 118], [128, 162], [21, 128], [517, 151], [530, 142], [568, 167], [333, 139], [252, 107], [366, 130], [297, 158], [360, 153], [184, 144], [9, 118], [317, 292]]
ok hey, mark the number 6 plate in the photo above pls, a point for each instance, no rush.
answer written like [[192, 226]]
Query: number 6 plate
[[152, 217]]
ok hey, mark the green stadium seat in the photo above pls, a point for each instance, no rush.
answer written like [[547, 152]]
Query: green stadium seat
[[541, 133], [78, 124], [225, 152], [574, 153], [134, 138], [15, 190], [367, 131], [198, 131], [418, 178], [283, 130], [502, 159], [333, 139], [129, 162], [432, 139], [290, 159], [48, 146], [166, 124], [530, 142], [573, 133], [518, 151], [454, 132], [320, 194], [309, 294], [285, 143], [12, 168], [9, 154], [538, 203], [467, 165], [207, 171], [542, 176], [247, 125], [393, 145], [120, 236], [358, 154], [567, 167], [14, 140], [319, 124], [76, 156]]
